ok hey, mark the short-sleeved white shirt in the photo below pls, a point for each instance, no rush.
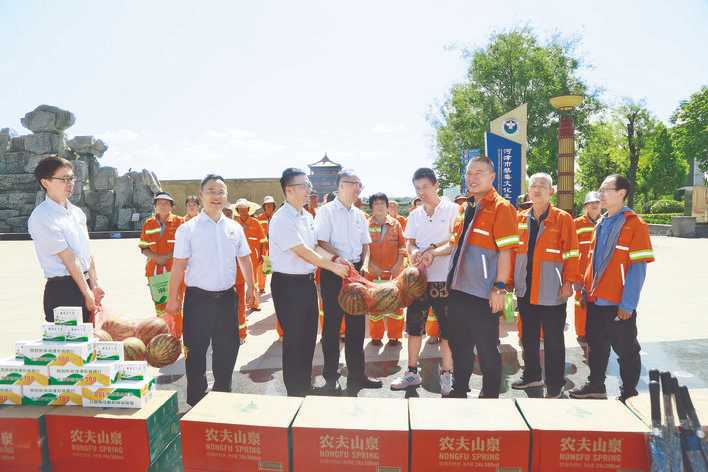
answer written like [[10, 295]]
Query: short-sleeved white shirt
[[346, 229], [287, 229], [211, 249], [55, 228], [435, 229]]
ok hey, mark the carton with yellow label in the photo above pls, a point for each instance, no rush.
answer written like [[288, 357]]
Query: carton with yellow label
[[108, 350], [15, 372], [48, 353], [51, 395], [119, 395], [19, 346], [94, 373], [11, 395]]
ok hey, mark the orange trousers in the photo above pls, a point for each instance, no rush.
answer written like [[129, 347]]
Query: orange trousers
[[581, 315], [432, 327], [178, 318], [390, 323]]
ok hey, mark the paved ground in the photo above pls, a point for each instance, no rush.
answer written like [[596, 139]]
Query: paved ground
[[673, 322]]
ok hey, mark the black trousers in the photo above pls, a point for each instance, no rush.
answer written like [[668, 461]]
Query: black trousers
[[295, 300], [356, 327], [604, 332], [209, 317], [63, 291], [552, 319], [472, 324]]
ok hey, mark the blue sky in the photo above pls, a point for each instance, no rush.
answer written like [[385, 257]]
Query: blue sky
[[249, 88]]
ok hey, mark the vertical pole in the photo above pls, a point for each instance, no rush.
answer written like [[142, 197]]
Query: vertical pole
[[566, 162]]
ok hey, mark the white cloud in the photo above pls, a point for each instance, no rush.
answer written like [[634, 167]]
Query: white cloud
[[389, 128]]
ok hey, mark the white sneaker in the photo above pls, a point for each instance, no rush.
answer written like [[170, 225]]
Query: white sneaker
[[409, 379], [445, 383]]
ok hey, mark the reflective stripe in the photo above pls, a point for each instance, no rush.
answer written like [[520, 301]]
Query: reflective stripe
[[146, 243], [585, 242], [376, 317], [484, 265], [152, 231], [242, 326], [622, 273], [170, 240], [253, 239], [571, 253], [395, 317], [508, 241], [480, 231], [560, 279], [587, 229], [264, 240], [622, 248], [523, 226], [643, 254], [554, 251]]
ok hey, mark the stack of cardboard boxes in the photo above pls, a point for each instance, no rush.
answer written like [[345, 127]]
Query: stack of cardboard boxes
[[69, 367]]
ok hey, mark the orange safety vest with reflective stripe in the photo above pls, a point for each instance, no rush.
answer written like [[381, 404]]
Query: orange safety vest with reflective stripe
[[633, 245], [255, 236], [384, 252], [584, 229], [403, 221], [264, 221], [556, 251], [150, 238]]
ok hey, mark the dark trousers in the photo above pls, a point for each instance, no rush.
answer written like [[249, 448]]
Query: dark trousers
[[356, 326], [552, 319], [63, 291], [472, 324], [604, 332], [295, 300], [209, 317]]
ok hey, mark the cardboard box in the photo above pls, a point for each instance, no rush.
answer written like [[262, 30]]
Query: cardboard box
[[51, 395], [19, 346], [458, 434], [171, 458], [23, 446], [230, 431], [14, 371], [81, 333], [112, 439], [11, 395], [53, 332], [133, 370], [118, 395], [94, 373], [48, 353], [68, 315], [584, 434], [641, 406], [351, 434], [109, 351]]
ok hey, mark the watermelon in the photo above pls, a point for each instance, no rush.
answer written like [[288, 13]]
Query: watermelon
[[102, 335], [148, 329], [134, 349], [385, 298], [411, 283], [352, 298], [118, 328], [164, 349]]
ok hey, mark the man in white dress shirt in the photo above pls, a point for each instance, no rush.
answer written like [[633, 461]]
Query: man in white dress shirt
[[294, 256], [207, 247], [343, 230], [61, 241]]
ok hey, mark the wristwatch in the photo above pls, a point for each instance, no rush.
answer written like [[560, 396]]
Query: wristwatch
[[501, 288]]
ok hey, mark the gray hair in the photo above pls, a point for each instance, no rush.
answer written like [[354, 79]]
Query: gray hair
[[541, 176], [346, 173]]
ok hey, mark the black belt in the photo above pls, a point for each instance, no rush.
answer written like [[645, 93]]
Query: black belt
[[62, 277], [209, 293], [310, 276]]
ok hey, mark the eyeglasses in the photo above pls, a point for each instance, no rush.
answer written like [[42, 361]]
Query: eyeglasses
[[69, 179], [307, 184], [215, 193], [607, 189], [353, 182]]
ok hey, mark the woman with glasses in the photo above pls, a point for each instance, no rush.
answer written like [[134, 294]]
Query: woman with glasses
[[61, 241]]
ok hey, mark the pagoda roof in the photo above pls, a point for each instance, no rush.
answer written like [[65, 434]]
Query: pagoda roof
[[324, 162]]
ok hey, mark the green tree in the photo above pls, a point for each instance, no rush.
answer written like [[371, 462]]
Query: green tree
[[690, 131], [514, 68], [662, 170], [639, 124], [603, 152]]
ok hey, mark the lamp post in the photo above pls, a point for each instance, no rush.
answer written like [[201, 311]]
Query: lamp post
[[566, 149]]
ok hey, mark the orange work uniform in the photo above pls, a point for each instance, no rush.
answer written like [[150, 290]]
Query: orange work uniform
[[584, 228], [160, 239]]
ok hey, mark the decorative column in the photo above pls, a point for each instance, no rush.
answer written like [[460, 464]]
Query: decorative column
[[566, 149]]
